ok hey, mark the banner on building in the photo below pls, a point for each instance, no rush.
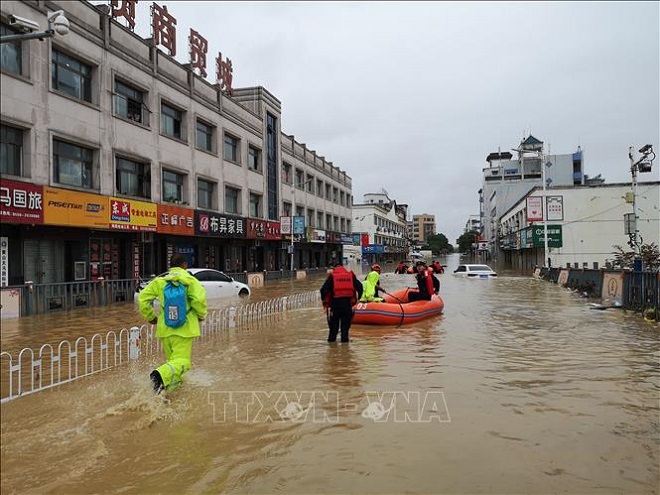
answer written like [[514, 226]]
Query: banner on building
[[76, 209], [299, 225], [347, 239], [285, 225], [4, 261], [315, 235], [256, 228], [21, 202], [534, 208], [219, 225], [128, 214], [555, 205], [175, 220], [273, 230]]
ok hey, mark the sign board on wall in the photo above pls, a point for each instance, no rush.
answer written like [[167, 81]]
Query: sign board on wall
[[219, 225], [78, 209], [4, 261], [555, 206], [21, 202], [128, 214], [555, 239], [175, 220], [534, 208]]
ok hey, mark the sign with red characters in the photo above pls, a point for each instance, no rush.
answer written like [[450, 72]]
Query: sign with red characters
[[21, 202]]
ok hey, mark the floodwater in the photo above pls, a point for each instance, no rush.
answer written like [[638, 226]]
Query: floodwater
[[520, 387]]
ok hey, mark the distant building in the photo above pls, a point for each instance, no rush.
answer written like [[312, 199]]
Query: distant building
[[380, 228], [473, 224], [506, 180], [423, 226]]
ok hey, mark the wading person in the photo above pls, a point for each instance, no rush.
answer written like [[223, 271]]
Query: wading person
[[182, 307], [339, 293]]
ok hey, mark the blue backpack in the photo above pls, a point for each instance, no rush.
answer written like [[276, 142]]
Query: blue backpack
[[174, 304]]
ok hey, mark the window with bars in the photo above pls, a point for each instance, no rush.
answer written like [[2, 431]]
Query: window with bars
[[129, 103]]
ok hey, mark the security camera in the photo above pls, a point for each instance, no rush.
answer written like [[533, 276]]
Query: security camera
[[644, 149], [22, 24], [58, 22]]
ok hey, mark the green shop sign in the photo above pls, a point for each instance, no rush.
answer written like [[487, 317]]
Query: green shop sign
[[554, 236]]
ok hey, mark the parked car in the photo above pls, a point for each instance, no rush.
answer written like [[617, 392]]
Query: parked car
[[475, 271], [216, 283]]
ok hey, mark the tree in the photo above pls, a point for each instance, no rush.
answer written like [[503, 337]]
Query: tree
[[439, 244], [650, 257], [466, 240]]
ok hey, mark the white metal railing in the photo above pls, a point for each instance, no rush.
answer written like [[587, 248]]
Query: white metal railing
[[33, 371]]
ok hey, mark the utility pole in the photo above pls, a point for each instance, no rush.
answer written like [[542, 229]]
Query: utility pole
[[644, 164]]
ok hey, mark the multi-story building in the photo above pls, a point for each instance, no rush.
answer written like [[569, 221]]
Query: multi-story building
[[473, 224], [115, 155], [584, 224], [423, 226], [506, 180], [380, 227]]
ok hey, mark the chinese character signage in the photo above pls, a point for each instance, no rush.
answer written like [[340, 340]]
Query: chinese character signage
[[273, 230], [219, 225], [315, 235], [534, 208], [125, 9], [285, 225], [4, 261], [163, 29], [223, 74], [554, 236], [175, 220], [555, 206], [77, 209], [128, 214], [347, 239], [21, 202], [198, 49], [256, 228]]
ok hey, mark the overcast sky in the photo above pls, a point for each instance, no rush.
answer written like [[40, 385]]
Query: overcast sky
[[412, 96]]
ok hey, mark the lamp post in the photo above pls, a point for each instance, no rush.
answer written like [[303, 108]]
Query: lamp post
[[644, 164]]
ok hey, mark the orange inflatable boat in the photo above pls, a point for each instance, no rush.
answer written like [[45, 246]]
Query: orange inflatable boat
[[396, 310]]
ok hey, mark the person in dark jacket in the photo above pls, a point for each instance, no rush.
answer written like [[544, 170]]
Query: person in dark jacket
[[427, 283], [339, 293]]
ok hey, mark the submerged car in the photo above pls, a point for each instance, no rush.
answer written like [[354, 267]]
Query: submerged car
[[216, 284], [475, 271]]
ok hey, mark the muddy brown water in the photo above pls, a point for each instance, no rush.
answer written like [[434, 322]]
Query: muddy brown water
[[520, 387]]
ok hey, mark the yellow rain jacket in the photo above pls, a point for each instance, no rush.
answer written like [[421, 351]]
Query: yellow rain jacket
[[369, 286], [196, 304]]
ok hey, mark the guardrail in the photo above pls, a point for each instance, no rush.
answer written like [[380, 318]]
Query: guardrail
[[33, 371]]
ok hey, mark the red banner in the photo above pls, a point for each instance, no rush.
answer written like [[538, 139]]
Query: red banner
[[273, 230], [364, 240], [21, 202], [175, 220], [256, 229]]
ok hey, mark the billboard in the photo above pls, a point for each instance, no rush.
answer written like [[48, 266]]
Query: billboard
[[129, 214], [77, 209], [21, 202], [175, 220], [219, 225], [534, 208]]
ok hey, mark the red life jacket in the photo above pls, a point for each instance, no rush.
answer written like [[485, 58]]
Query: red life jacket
[[342, 283], [428, 274]]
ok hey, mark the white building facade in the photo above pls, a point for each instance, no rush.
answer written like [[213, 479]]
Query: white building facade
[[584, 224]]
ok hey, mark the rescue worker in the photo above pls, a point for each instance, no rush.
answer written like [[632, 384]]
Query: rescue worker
[[177, 342], [371, 285], [427, 283], [339, 295], [401, 267], [437, 267]]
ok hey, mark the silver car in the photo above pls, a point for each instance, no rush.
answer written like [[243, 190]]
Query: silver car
[[475, 271], [216, 284]]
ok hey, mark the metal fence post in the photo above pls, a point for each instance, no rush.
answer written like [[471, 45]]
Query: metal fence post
[[232, 317], [134, 343]]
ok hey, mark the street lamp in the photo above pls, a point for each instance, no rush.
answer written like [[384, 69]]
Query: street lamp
[[293, 212], [57, 23], [644, 164]]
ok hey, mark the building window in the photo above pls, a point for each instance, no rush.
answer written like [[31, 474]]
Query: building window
[[319, 219], [11, 53], [232, 200], [230, 152], [172, 187], [204, 136], [310, 184], [133, 178], [71, 76], [286, 173], [11, 150], [73, 164], [205, 190], [286, 209], [254, 159], [255, 205], [300, 179], [129, 103], [319, 187], [170, 121], [328, 188]]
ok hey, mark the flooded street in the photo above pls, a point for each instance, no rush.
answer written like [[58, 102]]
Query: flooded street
[[519, 387]]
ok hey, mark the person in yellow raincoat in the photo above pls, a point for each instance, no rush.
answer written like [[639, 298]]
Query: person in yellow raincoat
[[177, 342], [371, 286]]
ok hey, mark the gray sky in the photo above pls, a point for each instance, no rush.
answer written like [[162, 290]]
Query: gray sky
[[412, 96]]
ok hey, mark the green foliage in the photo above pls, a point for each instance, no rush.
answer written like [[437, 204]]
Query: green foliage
[[466, 240], [650, 257], [439, 244]]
